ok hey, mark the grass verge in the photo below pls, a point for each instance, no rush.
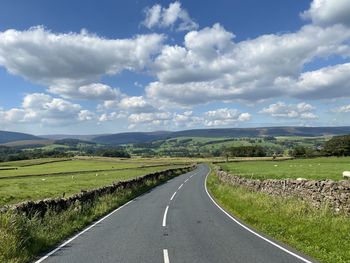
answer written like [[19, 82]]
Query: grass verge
[[22, 238], [318, 233]]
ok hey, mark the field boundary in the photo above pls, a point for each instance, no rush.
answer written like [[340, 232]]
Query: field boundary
[[39, 208], [83, 171], [320, 193]]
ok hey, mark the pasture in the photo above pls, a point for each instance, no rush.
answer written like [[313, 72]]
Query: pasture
[[313, 169], [48, 178]]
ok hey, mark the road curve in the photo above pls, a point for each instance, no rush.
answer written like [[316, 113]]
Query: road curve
[[174, 222]]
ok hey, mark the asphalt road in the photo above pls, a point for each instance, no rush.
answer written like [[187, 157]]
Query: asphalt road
[[175, 222]]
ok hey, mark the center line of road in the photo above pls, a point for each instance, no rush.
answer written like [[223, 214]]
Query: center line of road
[[166, 256], [180, 186], [186, 180], [164, 217], [172, 196]]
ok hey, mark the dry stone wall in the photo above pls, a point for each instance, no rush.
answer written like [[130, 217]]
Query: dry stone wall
[[335, 194], [30, 208]]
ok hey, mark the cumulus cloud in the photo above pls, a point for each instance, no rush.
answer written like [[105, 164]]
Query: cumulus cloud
[[187, 119], [70, 64], [342, 109], [42, 108], [290, 111], [328, 12], [211, 64], [224, 117], [158, 16], [136, 104], [325, 83]]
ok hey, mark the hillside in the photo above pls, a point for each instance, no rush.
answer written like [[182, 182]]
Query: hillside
[[141, 137], [6, 136]]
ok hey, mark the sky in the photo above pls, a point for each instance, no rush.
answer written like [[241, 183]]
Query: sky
[[92, 67]]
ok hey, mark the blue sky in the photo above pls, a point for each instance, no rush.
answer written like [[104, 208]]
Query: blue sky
[[92, 67]]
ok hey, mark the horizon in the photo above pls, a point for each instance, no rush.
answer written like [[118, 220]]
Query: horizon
[[173, 65], [172, 131]]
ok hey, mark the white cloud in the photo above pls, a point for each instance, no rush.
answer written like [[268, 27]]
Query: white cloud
[[290, 111], [213, 65], [328, 12], [86, 115], [342, 109], [224, 117], [42, 108], [70, 63], [112, 116], [158, 16], [325, 83], [136, 104]]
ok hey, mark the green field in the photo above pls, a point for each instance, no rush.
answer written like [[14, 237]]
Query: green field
[[315, 169], [45, 178]]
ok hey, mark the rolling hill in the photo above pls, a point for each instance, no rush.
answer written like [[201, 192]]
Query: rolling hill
[[6, 137], [141, 137]]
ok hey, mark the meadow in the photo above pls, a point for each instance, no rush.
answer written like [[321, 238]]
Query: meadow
[[48, 178], [314, 169]]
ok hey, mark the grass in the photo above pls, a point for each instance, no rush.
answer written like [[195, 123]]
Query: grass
[[15, 190], [315, 169], [22, 238], [49, 177], [317, 233]]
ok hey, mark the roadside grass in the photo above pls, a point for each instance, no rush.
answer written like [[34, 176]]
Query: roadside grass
[[318, 233], [22, 239], [314, 169], [14, 190]]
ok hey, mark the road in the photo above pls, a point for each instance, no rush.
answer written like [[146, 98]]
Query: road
[[174, 222]]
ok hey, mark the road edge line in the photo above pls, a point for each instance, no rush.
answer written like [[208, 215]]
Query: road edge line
[[80, 233], [248, 229]]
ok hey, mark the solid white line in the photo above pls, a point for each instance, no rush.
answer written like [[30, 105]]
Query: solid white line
[[180, 186], [164, 217], [80, 233], [172, 196], [250, 230], [166, 256]]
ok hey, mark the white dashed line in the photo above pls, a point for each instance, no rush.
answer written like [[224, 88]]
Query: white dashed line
[[164, 217], [180, 186], [186, 180], [166, 256], [172, 196]]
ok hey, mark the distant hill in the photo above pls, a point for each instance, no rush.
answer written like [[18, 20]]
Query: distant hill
[[132, 137], [141, 137], [6, 136], [69, 136]]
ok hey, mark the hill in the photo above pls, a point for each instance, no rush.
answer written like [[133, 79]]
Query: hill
[[142, 137], [6, 137]]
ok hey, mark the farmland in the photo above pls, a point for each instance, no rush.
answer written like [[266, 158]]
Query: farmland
[[44, 178], [316, 168]]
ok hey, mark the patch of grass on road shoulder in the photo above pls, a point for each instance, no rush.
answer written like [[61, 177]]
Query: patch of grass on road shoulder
[[318, 233]]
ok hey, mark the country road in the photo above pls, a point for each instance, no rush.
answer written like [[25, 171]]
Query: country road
[[174, 222]]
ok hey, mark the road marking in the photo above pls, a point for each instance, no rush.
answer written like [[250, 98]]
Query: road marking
[[80, 233], [180, 186], [166, 256], [172, 196], [186, 180], [250, 230], [164, 217]]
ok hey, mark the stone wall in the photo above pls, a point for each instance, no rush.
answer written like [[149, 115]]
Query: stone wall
[[30, 208], [335, 194]]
